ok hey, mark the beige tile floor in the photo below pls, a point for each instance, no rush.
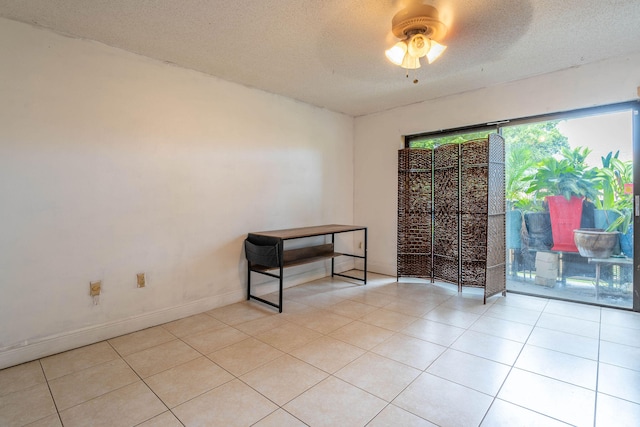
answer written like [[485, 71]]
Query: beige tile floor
[[343, 354]]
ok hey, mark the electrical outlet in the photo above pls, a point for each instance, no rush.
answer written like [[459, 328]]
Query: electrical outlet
[[141, 280], [94, 288]]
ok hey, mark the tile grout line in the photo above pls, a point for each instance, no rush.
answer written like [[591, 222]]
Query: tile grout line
[[595, 403], [370, 351], [55, 405], [367, 351], [423, 371], [120, 356], [170, 410], [84, 369], [513, 366], [234, 377], [331, 375], [141, 380]]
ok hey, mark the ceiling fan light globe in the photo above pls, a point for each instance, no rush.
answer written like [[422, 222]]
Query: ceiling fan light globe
[[418, 45], [397, 53], [435, 51], [410, 62]]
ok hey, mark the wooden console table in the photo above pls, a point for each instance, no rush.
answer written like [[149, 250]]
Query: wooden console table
[[265, 251]]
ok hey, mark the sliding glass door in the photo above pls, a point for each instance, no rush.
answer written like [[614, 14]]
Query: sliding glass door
[[570, 206]]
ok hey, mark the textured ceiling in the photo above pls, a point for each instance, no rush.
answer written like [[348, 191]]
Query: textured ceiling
[[330, 53]]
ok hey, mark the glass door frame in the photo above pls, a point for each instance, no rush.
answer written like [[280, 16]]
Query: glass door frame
[[636, 205]]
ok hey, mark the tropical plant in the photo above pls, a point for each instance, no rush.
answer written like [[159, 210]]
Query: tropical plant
[[525, 146], [528, 204], [622, 222], [614, 174], [518, 165], [565, 177], [576, 157]]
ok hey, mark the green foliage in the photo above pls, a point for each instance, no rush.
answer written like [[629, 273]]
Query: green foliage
[[451, 139], [526, 146], [540, 163], [566, 177], [614, 174], [543, 139], [608, 181], [528, 204], [577, 156], [622, 222], [570, 176], [518, 166]]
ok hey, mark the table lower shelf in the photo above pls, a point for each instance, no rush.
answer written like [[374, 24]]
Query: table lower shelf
[[293, 263]]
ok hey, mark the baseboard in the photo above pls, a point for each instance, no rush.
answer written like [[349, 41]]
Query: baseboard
[[69, 340], [384, 269]]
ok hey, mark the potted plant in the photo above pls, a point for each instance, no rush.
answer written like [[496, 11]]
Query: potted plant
[[565, 184], [538, 224], [595, 242]]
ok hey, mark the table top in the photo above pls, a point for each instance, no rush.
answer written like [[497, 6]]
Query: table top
[[318, 230]]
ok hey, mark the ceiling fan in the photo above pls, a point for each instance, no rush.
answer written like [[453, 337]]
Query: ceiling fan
[[421, 31]]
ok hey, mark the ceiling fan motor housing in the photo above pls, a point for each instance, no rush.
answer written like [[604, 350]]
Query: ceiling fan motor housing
[[418, 19]]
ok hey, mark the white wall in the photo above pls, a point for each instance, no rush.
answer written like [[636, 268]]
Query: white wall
[[113, 164], [378, 137]]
